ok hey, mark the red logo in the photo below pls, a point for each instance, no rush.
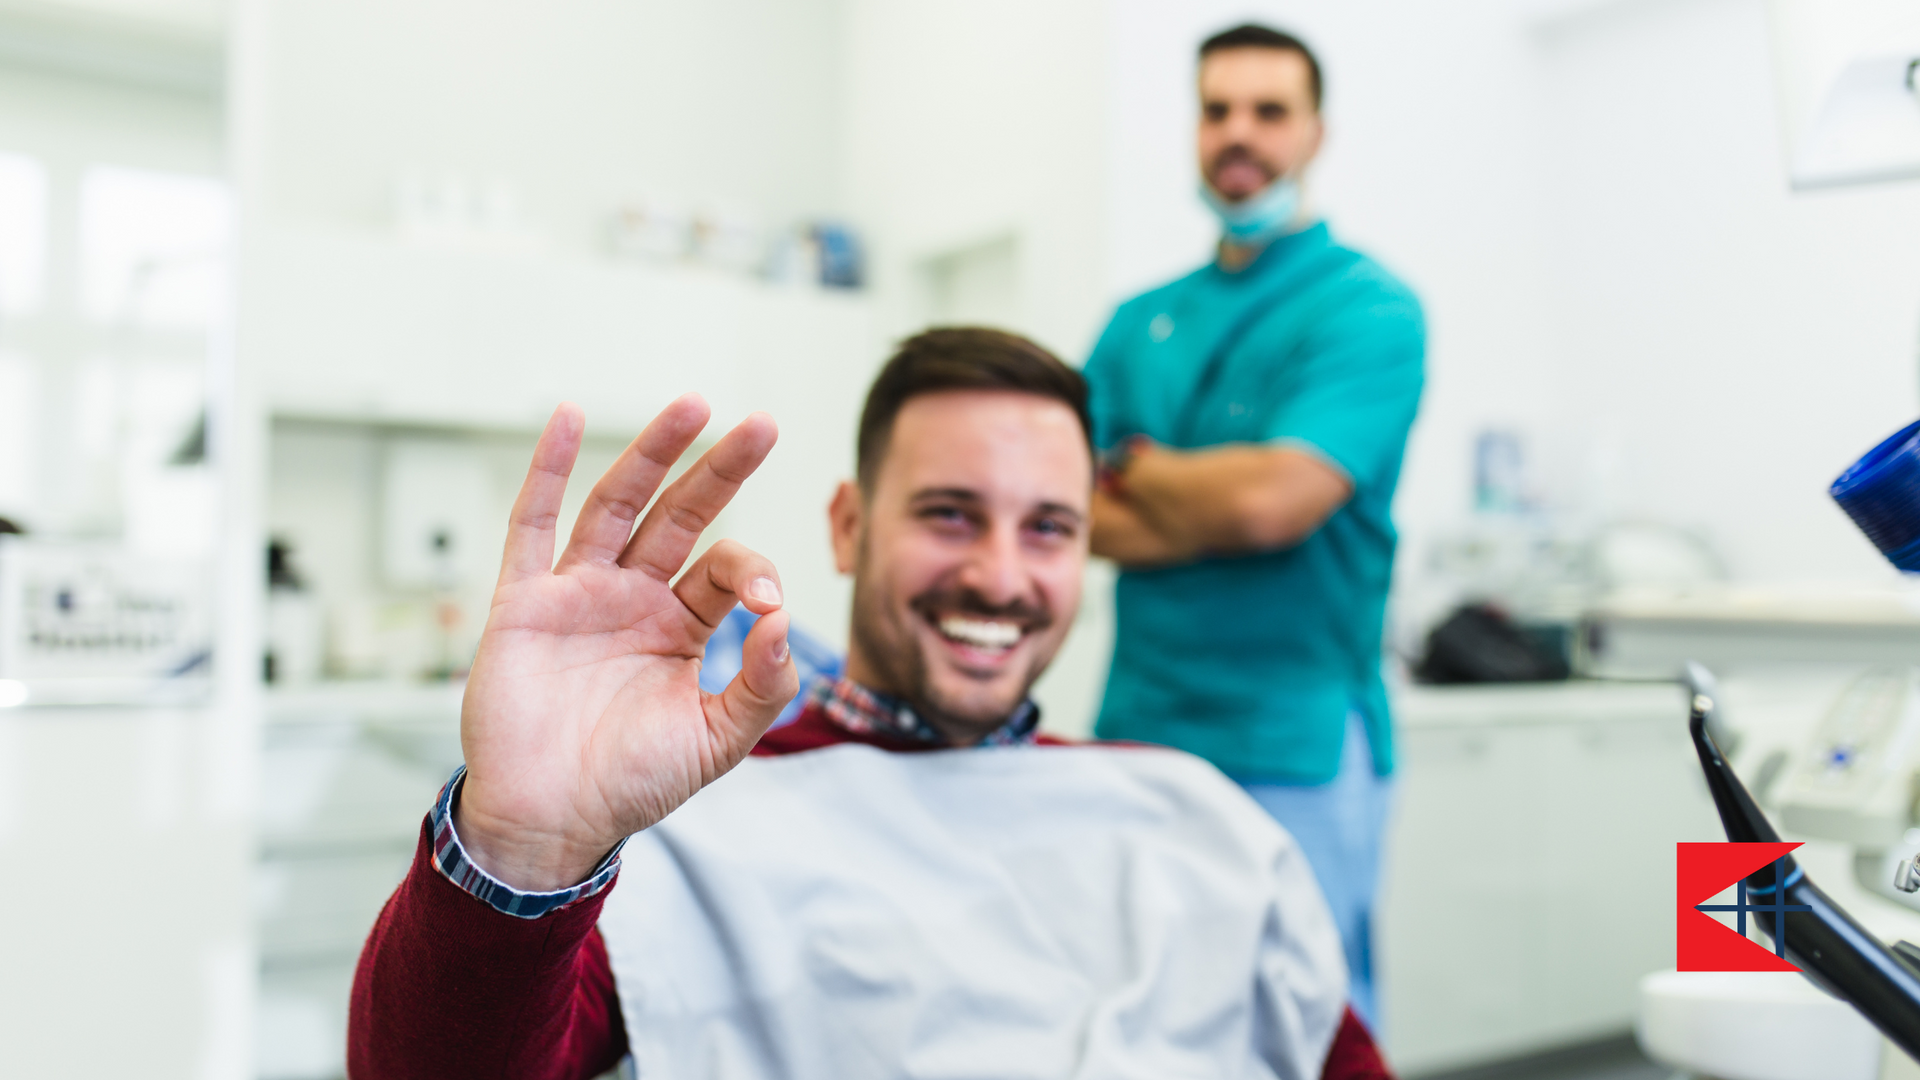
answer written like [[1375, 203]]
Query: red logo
[[1703, 943]]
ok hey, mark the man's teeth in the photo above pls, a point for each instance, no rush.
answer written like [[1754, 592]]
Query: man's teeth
[[986, 634]]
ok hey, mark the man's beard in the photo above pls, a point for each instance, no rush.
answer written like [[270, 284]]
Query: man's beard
[[898, 654]]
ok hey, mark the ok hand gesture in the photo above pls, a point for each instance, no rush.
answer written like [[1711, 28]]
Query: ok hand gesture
[[584, 721]]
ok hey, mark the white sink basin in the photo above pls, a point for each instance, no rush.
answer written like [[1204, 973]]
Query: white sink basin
[[1754, 1025]]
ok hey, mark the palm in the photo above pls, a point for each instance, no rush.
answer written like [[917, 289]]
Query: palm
[[608, 658], [584, 720]]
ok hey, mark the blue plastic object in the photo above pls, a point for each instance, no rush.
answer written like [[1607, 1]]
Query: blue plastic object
[[1881, 493]]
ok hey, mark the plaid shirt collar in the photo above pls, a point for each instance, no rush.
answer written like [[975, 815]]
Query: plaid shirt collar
[[856, 708]]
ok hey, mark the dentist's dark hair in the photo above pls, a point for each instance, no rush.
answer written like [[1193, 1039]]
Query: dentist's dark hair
[[961, 358], [1255, 36]]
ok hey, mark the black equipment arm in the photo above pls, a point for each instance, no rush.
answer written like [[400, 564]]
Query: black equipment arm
[[1837, 953]]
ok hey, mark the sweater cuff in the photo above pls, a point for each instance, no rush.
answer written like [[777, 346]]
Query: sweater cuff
[[451, 860]]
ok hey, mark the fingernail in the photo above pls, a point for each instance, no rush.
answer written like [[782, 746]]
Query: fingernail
[[780, 652], [765, 590]]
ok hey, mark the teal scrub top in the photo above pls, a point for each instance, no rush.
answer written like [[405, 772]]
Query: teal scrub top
[[1254, 661]]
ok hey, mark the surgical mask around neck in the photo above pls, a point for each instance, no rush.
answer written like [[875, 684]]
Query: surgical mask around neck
[[1264, 216]]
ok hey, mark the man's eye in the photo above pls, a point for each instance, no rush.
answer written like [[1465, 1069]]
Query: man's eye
[[1271, 111], [1214, 111], [944, 515], [1052, 527]]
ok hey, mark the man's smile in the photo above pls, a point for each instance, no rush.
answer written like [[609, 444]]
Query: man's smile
[[989, 634], [980, 644]]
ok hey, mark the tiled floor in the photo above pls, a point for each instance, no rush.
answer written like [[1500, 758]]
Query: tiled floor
[[1612, 1059]]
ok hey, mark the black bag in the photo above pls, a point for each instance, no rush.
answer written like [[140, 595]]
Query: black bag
[[1480, 644]]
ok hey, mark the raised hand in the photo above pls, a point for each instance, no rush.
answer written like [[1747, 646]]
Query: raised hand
[[584, 721]]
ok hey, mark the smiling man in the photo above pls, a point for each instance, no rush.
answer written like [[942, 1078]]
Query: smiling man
[[1253, 416], [960, 638], [906, 879]]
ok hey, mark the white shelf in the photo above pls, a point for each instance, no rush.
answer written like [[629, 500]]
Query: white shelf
[[361, 327]]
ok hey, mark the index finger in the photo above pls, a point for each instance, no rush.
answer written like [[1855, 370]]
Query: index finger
[[606, 519], [670, 530], [530, 528]]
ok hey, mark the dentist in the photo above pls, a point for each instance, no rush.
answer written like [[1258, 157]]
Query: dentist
[[1252, 417]]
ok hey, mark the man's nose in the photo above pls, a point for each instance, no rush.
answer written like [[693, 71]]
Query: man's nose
[[1238, 125], [995, 568]]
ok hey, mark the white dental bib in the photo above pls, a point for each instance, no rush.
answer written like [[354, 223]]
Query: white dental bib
[[987, 914]]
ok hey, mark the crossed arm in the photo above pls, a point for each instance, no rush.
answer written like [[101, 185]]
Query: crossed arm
[[1175, 506]]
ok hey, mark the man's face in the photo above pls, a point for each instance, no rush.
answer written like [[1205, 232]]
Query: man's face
[[967, 554], [1258, 120]]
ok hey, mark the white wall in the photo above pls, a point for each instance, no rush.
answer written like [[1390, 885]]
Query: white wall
[[1729, 346], [579, 106], [968, 124]]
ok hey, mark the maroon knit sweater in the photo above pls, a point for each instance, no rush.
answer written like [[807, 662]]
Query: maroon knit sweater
[[449, 987]]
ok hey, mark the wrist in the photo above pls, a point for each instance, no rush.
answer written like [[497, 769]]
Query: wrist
[[1117, 463], [523, 859]]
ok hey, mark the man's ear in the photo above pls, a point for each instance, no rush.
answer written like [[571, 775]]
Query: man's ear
[[844, 515]]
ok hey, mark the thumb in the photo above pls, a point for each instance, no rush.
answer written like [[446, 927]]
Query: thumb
[[740, 714]]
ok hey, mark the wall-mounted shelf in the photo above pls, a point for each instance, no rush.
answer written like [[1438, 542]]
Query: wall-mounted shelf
[[361, 327]]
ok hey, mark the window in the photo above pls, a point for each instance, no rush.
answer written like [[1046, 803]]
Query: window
[[19, 403], [153, 247], [23, 233]]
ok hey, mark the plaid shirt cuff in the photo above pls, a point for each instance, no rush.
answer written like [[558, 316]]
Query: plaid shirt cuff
[[450, 858]]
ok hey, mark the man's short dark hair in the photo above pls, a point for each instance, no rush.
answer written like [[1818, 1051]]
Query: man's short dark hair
[[961, 358], [1255, 36]]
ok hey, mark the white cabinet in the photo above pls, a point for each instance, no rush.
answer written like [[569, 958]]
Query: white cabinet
[[124, 890], [1529, 877], [348, 772]]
